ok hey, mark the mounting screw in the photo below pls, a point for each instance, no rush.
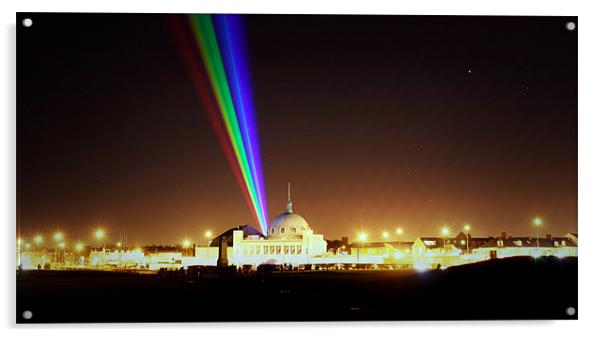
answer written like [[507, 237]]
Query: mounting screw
[[27, 314], [571, 311], [570, 25], [27, 22]]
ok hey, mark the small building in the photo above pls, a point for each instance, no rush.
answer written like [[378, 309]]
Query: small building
[[528, 246]]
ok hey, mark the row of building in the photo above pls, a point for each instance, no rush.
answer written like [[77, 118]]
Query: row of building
[[292, 242]]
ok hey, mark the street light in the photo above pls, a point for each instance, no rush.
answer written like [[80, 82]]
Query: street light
[[361, 237], [467, 230], [58, 236], [399, 231], [445, 232], [538, 222], [385, 235], [186, 245], [61, 253], [38, 239], [208, 235], [99, 234], [79, 247]]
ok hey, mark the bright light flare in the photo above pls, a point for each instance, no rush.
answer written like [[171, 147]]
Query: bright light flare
[[186, 243], [79, 247], [58, 236], [399, 231], [445, 231], [537, 221], [100, 234], [208, 234], [466, 227], [385, 235], [38, 239], [362, 236]]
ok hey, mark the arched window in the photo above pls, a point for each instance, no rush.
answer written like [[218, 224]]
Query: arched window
[[282, 230], [273, 230], [294, 230]]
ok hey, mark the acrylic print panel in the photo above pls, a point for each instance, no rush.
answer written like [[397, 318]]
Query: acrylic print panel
[[193, 168]]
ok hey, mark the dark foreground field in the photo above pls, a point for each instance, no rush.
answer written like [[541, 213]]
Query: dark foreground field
[[514, 288]]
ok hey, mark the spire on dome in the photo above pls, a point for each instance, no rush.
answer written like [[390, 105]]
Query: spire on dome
[[289, 202]]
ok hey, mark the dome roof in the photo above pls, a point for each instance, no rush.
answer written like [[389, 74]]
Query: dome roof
[[288, 225]]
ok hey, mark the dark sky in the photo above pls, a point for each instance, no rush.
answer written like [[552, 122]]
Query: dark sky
[[377, 121]]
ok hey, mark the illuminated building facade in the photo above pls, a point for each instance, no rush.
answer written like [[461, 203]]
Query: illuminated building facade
[[527, 246], [290, 241]]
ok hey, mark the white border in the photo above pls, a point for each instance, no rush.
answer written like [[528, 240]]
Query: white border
[[590, 165]]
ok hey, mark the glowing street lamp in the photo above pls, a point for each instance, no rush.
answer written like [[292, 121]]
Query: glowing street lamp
[[58, 236], [467, 232], [399, 231], [60, 252], [186, 244], [208, 236], [38, 239], [385, 235], [99, 234], [445, 233], [362, 238], [537, 222], [79, 247]]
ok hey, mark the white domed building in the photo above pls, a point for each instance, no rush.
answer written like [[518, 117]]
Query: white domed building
[[288, 225], [290, 240]]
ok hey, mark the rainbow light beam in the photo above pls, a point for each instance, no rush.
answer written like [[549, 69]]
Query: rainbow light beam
[[219, 41]]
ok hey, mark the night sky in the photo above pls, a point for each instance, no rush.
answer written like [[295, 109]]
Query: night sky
[[378, 122]]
